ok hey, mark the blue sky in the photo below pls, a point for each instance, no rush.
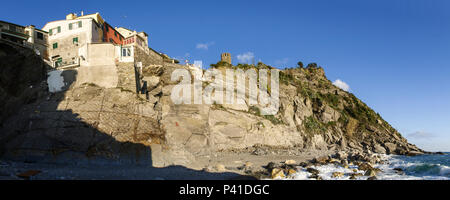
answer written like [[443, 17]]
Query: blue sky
[[394, 55]]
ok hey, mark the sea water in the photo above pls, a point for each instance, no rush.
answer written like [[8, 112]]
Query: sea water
[[423, 167]]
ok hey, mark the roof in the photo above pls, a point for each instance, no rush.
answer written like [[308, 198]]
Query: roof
[[95, 16], [12, 23], [23, 26]]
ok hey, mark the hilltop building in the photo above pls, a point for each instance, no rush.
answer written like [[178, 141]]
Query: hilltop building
[[66, 37], [28, 36], [226, 57]]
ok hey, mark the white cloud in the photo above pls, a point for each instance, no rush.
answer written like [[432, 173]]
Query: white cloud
[[246, 57], [341, 84], [204, 46], [420, 135]]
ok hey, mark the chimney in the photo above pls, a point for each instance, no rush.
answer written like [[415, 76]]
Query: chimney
[[71, 16], [82, 14]]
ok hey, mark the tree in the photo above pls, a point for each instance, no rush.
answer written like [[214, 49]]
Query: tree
[[300, 64], [312, 65]]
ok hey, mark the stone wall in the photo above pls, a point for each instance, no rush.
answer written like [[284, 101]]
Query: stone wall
[[152, 58], [126, 79]]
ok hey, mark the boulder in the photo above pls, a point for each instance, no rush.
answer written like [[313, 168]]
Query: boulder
[[379, 149], [320, 160], [312, 171], [414, 153], [220, 168], [341, 155], [337, 175], [371, 172], [291, 172], [364, 166], [277, 173], [315, 176], [355, 175], [390, 147], [290, 162]]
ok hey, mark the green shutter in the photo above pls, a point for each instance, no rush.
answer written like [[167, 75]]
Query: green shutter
[[55, 45], [59, 29], [50, 32], [70, 26], [80, 24], [75, 40]]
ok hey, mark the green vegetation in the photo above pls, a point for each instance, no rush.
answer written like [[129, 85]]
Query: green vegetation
[[314, 126], [218, 106], [286, 78], [332, 99], [244, 66], [273, 119], [360, 111], [311, 66], [255, 110], [221, 64]]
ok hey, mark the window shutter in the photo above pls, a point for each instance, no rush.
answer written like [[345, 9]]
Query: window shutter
[[59, 29], [80, 24], [70, 26], [50, 32]]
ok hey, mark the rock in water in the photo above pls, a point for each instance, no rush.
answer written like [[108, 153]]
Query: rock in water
[[312, 171], [337, 175], [277, 173], [291, 172], [370, 172]]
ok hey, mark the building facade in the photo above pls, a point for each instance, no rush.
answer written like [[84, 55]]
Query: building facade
[[28, 36], [112, 35], [65, 37], [38, 39]]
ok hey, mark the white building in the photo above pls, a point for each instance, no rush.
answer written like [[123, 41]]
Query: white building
[[66, 36]]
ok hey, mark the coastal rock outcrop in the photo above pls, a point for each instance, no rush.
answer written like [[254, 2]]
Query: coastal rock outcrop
[[88, 121]]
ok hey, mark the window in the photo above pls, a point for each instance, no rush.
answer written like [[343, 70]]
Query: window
[[126, 52], [55, 45], [80, 24], [70, 26], [107, 28], [58, 62], [12, 28], [50, 32], [40, 36], [75, 40], [59, 29], [115, 33]]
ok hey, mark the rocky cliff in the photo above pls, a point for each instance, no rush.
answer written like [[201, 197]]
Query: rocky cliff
[[22, 77], [88, 122]]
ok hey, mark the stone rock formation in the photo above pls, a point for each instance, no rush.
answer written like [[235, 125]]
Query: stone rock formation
[[88, 122]]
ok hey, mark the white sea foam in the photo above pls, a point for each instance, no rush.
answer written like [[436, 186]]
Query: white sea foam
[[415, 168]]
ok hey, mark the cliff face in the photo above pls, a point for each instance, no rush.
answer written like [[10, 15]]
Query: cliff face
[[314, 115], [22, 77]]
